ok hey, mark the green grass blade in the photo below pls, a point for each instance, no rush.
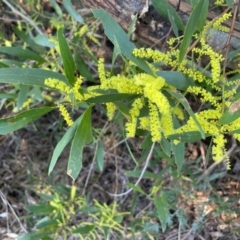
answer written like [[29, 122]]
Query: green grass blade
[[185, 104], [176, 79], [56, 7], [194, 22], [8, 125], [166, 10], [100, 155], [162, 210], [22, 53], [75, 15], [28, 76], [68, 62], [28, 39], [115, 33], [22, 95], [82, 137], [228, 117], [179, 151], [63, 143], [82, 67]]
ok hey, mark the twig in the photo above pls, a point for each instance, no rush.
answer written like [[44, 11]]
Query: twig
[[5, 201], [227, 44], [210, 169], [25, 17], [93, 161], [140, 177]]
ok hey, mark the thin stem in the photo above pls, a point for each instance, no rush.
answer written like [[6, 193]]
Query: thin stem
[[25, 17], [140, 177]]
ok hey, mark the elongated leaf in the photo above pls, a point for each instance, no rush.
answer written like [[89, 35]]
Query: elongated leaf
[[40, 209], [56, 7], [162, 210], [165, 9], [44, 41], [82, 67], [22, 53], [115, 33], [27, 236], [116, 51], [112, 98], [235, 131], [69, 7], [47, 222], [147, 142], [28, 39], [123, 108], [7, 95], [136, 188], [176, 79], [36, 235], [204, 13], [186, 137], [28, 76], [166, 146], [81, 138], [173, 24], [63, 143], [229, 116], [192, 26], [100, 155], [137, 173], [178, 151], [68, 62], [11, 124], [10, 63], [185, 104], [85, 229], [3, 65], [22, 96]]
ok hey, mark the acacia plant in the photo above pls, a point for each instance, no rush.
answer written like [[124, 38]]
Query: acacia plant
[[149, 95]]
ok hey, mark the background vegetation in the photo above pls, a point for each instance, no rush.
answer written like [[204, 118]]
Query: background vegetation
[[103, 139]]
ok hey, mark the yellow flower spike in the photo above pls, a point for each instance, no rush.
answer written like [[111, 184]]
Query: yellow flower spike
[[218, 23], [94, 39], [83, 30], [131, 127], [101, 70], [167, 124], [144, 123], [65, 115], [136, 107], [76, 87], [122, 85], [237, 136], [146, 79], [73, 192], [219, 2], [228, 164], [134, 113], [154, 122], [179, 113], [59, 85], [208, 120], [206, 96], [218, 149], [158, 98], [110, 110]]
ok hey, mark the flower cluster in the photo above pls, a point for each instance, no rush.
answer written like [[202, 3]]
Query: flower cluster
[[149, 89], [65, 115], [66, 89]]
